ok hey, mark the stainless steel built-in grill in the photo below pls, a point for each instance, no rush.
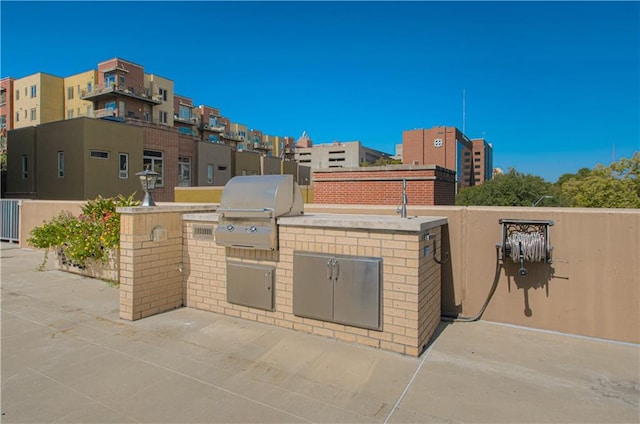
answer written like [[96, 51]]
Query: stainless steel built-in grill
[[250, 206]]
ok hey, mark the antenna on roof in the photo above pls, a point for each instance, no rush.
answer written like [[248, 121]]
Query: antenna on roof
[[463, 113]]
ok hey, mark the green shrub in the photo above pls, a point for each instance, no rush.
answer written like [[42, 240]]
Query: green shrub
[[89, 236]]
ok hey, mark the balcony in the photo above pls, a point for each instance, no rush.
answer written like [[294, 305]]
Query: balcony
[[262, 146], [185, 119], [219, 128], [101, 92]]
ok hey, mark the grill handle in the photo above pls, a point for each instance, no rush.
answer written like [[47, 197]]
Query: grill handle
[[243, 213]]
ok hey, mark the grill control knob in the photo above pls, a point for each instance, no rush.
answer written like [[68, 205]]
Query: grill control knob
[[253, 229], [230, 227]]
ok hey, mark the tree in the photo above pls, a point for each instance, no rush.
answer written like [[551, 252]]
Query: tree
[[613, 186], [510, 189], [382, 162]]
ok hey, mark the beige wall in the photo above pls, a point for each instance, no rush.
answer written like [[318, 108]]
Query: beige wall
[[592, 288], [155, 83], [34, 213], [48, 102], [80, 81]]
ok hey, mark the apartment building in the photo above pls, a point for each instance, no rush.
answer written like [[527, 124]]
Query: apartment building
[[74, 87], [348, 154], [449, 148], [37, 99], [186, 144], [121, 93], [185, 115], [6, 105]]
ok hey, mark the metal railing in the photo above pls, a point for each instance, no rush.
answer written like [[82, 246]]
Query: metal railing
[[9, 230]]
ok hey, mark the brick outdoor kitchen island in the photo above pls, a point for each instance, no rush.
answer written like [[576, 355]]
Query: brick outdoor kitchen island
[[409, 283], [370, 280]]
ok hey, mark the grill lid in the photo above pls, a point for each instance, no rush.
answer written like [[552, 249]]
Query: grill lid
[[261, 196]]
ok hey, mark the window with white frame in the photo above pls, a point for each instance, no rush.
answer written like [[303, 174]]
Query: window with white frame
[[163, 93], [69, 93], [184, 171], [70, 114], [25, 167], [123, 165], [154, 160], [60, 164], [17, 94], [33, 113], [162, 117], [210, 173], [34, 91]]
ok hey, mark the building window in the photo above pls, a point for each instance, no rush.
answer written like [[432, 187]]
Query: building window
[[162, 117], [163, 93], [33, 91], [121, 82], [476, 173], [17, 94], [213, 138], [70, 114], [476, 160], [17, 116], [437, 142], [123, 166], [60, 164], [467, 160], [184, 113], [89, 87], [110, 107], [222, 168], [109, 80], [3, 96], [69, 93], [98, 154], [184, 130], [25, 167], [154, 160], [33, 113], [184, 172], [476, 153], [3, 121], [210, 173], [477, 167]]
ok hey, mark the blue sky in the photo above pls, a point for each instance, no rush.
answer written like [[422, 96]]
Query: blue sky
[[554, 86]]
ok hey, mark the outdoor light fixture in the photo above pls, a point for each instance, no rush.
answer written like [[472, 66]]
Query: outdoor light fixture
[[148, 180]]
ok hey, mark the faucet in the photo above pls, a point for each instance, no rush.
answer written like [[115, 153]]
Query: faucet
[[402, 210]]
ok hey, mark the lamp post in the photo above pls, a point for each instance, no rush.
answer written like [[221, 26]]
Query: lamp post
[[534, 204], [148, 180]]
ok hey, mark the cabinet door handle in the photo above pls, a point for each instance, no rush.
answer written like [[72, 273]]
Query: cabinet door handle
[[330, 269], [267, 280], [336, 269]]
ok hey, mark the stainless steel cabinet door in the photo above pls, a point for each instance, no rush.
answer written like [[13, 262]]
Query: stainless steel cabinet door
[[250, 285], [357, 291], [313, 285]]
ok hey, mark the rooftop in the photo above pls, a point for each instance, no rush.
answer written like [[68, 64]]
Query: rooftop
[[67, 357]]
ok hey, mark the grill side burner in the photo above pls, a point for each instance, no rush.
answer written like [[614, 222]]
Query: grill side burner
[[249, 207]]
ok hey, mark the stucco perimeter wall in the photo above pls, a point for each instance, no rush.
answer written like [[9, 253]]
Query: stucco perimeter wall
[[34, 213], [592, 288]]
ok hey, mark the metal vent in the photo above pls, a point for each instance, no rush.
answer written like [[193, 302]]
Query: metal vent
[[203, 232]]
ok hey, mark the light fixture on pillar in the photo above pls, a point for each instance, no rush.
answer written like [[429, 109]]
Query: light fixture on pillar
[[148, 180]]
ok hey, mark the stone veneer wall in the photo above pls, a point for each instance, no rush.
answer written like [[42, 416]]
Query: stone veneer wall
[[410, 286]]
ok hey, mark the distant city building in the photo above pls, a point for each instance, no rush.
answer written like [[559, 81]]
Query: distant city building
[[448, 147], [6, 105], [398, 155], [347, 154], [37, 99]]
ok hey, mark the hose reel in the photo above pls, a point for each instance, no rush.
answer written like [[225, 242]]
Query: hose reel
[[525, 241]]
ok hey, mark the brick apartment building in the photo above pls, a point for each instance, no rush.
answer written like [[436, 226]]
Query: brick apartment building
[[448, 147]]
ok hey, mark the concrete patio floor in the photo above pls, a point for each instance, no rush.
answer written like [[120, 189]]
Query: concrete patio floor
[[67, 357]]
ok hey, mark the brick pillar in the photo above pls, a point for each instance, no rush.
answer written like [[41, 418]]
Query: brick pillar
[[150, 261]]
